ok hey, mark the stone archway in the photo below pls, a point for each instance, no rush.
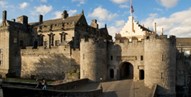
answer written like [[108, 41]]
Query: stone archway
[[126, 70]]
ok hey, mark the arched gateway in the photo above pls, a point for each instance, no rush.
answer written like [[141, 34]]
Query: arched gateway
[[126, 70]]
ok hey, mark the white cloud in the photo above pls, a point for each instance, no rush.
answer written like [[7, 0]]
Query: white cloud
[[58, 14], [3, 4], [72, 12], [23, 5], [119, 23], [116, 28], [168, 3], [119, 1], [80, 1], [176, 24], [102, 14], [43, 1], [123, 6], [43, 9]]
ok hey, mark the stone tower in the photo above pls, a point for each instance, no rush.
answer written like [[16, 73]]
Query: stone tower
[[93, 59], [4, 46], [160, 64]]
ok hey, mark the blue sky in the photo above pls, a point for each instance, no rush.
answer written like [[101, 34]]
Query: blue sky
[[174, 16]]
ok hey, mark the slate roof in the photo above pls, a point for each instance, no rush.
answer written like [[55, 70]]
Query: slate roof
[[70, 19]]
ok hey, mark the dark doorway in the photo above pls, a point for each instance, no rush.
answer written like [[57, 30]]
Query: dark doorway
[[141, 74], [21, 44], [126, 71], [35, 45], [111, 71]]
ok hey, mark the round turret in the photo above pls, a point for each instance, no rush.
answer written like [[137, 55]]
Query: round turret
[[160, 64], [93, 59]]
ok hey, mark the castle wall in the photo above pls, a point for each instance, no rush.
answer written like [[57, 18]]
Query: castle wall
[[54, 63], [93, 59], [160, 64], [4, 50], [126, 51]]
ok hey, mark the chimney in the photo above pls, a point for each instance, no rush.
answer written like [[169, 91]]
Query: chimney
[[40, 18], [4, 15], [65, 14], [155, 27], [94, 24], [23, 20]]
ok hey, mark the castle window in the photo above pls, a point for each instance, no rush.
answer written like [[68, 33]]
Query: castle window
[[83, 56], [141, 57], [111, 57], [0, 62], [0, 51], [161, 75], [51, 39], [163, 57], [15, 40], [63, 36]]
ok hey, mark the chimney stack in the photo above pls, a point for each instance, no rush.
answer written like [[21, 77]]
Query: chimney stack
[[65, 14], [40, 18], [23, 20], [94, 24], [4, 15], [155, 27]]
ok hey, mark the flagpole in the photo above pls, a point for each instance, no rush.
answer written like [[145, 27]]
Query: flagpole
[[131, 8]]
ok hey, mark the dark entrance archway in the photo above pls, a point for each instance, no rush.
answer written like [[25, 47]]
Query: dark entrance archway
[[126, 70]]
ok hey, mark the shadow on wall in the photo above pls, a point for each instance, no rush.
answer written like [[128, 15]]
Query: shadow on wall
[[56, 67]]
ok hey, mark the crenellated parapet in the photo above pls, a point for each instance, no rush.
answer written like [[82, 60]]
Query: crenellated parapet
[[152, 38], [45, 51], [130, 42]]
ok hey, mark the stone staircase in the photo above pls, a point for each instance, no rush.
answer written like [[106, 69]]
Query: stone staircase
[[125, 88]]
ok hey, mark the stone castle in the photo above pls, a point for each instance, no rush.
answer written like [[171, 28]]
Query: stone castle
[[69, 48]]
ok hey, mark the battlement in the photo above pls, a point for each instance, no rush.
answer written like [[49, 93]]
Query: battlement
[[45, 51], [93, 40], [134, 42], [152, 37]]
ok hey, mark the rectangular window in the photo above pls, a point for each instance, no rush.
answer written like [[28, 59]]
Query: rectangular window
[[0, 62], [111, 57], [83, 56], [142, 58]]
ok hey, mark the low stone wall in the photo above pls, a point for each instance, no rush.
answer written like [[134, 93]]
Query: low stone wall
[[70, 85], [10, 89], [28, 92]]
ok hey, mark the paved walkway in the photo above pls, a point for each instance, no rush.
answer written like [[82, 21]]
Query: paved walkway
[[125, 88]]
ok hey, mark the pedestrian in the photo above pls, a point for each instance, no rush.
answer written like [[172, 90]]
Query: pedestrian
[[44, 84]]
